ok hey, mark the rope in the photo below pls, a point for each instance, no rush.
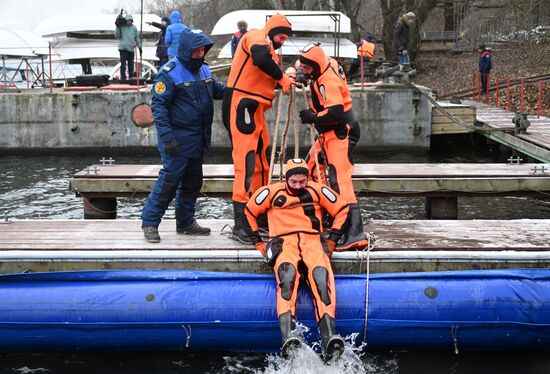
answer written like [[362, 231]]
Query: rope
[[274, 142], [371, 238], [312, 136], [295, 123], [282, 152]]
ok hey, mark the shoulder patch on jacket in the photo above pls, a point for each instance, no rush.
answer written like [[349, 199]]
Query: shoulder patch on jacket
[[169, 66], [160, 87], [262, 196]]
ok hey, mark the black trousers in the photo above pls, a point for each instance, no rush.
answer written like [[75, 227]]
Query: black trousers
[[126, 57]]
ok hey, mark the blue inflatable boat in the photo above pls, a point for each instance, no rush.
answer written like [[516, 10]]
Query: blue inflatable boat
[[135, 310]]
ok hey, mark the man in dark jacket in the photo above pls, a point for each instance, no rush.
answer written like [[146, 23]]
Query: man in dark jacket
[[401, 37], [242, 27], [183, 110], [162, 48], [484, 66]]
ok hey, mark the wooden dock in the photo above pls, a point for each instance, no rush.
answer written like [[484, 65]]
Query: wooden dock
[[100, 185], [401, 246], [535, 142]]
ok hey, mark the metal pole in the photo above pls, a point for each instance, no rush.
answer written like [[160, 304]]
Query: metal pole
[[50, 58], [474, 85], [27, 73], [362, 73], [488, 90], [43, 72], [497, 93], [521, 106], [540, 99], [4, 72], [508, 94], [141, 39]]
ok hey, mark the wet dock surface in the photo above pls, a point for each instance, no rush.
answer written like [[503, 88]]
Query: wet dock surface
[[401, 245]]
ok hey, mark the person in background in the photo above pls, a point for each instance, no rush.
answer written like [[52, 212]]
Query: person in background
[[173, 32], [242, 27], [365, 51], [401, 38], [183, 110], [162, 49], [254, 75], [295, 214], [128, 39], [484, 64]]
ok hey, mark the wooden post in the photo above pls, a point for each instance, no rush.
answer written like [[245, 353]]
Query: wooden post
[[441, 207]]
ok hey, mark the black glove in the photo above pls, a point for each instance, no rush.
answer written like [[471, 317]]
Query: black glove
[[308, 116], [171, 148], [301, 78]]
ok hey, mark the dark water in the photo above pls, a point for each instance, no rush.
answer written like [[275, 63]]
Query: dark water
[[37, 187]]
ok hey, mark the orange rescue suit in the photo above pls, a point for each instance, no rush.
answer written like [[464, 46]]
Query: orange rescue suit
[[250, 90], [366, 49], [295, 222], [331, 100]]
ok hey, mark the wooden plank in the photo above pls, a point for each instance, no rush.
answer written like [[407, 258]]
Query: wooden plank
[[392, 235]]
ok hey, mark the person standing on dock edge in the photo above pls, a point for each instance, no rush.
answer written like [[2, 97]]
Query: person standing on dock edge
[[128, 39], [401, 38], [250, 91], [183, 110], [298, 245], [484, 66], [331, 113]]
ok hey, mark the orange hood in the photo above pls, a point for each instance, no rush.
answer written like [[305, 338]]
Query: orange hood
[[314, 56], [277, 24]]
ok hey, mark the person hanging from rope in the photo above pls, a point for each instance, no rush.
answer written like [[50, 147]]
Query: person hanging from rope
[[294, 210], [331, 113], [250, 91]]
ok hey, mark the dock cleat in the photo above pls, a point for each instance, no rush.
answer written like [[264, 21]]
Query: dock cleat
[[151, 234], [193, 229]]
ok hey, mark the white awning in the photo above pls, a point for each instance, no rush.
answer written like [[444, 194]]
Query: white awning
[[70, 49], [312, 21], [294, 45], [90, 24], [22, 43]]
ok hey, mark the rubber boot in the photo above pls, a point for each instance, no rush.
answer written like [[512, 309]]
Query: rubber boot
[[241, 231], [289, 341], [333, 344], [354, 236]]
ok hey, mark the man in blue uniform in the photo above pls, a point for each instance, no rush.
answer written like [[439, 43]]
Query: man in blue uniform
[[183, 109], [484, 66]]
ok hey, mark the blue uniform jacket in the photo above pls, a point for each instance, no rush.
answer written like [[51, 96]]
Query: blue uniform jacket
[[182, 101], [485, 62]]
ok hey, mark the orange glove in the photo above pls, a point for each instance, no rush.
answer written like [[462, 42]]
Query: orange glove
[[331, 244], [260, 246], [285, 83]]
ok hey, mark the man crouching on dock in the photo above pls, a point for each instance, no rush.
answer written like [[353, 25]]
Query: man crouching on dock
[[183, 110], [294, 211]]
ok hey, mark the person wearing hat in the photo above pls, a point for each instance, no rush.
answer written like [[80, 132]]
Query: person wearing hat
[[365, 51], [331, 113], [183, 109], [254, 75], [128, 39], [242, 28], [401, 38], [484, 65], [162, 48], [297, 237]]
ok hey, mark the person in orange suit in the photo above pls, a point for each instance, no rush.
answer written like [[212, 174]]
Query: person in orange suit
[[332, 114], [254, 75], [295, 211]]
